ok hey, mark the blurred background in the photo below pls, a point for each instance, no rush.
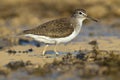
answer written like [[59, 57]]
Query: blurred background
[[17, 15]]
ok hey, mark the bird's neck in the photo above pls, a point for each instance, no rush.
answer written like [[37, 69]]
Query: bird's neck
[[78, 26], [79, 22]]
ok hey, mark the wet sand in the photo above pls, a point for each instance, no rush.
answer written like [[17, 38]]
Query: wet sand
[[104, 43], [92, 61]]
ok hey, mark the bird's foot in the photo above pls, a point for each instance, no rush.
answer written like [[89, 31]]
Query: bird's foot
[[43, 53]]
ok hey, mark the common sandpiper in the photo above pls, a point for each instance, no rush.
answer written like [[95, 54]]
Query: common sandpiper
[[59, 30]]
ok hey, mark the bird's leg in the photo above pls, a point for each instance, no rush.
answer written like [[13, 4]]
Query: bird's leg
[[44, 50], [55, 49]]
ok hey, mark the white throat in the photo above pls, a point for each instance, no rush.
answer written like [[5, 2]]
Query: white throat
[[79, 24]]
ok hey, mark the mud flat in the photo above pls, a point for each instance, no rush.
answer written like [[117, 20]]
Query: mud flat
[[82, 60]]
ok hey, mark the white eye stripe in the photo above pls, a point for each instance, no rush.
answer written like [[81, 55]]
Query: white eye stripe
[[83, 13], [80, 12]]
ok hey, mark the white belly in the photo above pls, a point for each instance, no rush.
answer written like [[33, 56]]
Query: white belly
[[46, 39]]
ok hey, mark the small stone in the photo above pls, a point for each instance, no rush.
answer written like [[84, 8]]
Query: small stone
[[9, 51], [30, 50], [19, 51], [14, 52], [24, 52], [94, 42]]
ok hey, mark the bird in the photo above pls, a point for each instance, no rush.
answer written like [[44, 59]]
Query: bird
[[58, 31]]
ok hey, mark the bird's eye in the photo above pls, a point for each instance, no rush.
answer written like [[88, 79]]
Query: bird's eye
[[80, 12]]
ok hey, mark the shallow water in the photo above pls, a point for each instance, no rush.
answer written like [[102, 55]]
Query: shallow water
[[97, 30]]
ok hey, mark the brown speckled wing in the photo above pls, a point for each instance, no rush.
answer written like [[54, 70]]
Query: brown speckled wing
[[54, 29]]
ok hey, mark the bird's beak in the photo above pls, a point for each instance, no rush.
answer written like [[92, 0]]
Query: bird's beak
[[88, 17]]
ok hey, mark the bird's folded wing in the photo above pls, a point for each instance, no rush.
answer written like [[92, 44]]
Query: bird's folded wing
[[53, 29]]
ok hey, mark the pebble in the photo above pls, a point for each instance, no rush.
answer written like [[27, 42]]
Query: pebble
[[30, 50]]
